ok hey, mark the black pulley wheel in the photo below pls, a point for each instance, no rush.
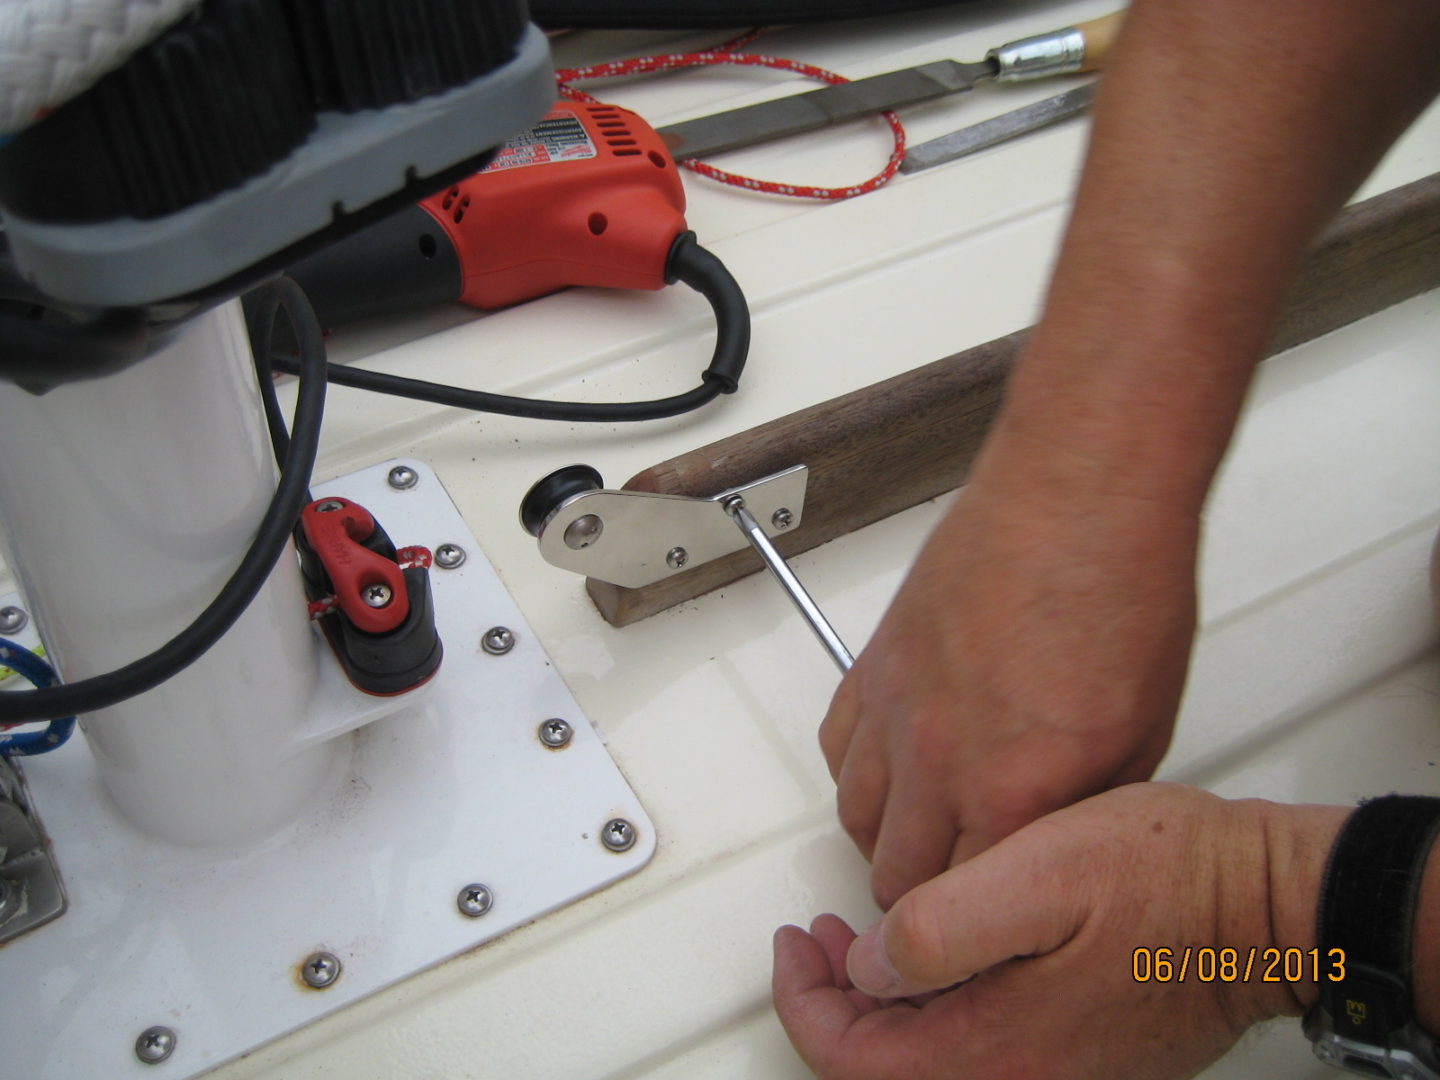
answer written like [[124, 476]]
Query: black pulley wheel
[[549, 493]]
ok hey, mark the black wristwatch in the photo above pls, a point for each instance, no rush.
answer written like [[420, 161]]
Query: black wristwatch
[[1364, 1021]]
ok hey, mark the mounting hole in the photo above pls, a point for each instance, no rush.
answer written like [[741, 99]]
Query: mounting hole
[[548, 493], [598, 223], [657, 159], [428, 246]]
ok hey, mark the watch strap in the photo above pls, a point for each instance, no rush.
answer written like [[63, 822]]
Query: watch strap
[[1367, 909]]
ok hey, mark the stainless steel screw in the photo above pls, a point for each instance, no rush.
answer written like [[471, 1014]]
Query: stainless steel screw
[[676, 557], [782, 518], [320, 970], [449, 556], [555, 733], [474, 900], [13, 619], [498, 640], [403, 478], [583, 531], [378, 595], [618, 835], [329, 506], [155, 1044]]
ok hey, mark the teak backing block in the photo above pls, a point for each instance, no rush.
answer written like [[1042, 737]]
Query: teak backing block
[[898, 443]]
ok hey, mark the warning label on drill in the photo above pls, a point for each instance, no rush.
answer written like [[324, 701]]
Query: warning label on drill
[[559, 137]]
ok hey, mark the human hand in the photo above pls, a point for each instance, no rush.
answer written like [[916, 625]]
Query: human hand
[[1034, 656], [1044, 926]]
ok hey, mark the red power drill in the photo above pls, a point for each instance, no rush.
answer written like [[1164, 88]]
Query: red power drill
[[589, 196]]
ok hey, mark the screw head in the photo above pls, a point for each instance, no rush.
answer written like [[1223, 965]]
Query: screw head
[[676, 558], [583, 531], [555, 733], [329, 506], [782, 518], [449, 556], [498, 640], [13, 619], [378, 595], [403, 478], [155, 1044], [618, 835], [320, 970], [474, 900]]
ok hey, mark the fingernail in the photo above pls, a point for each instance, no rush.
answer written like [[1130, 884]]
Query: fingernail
[[870, 969]]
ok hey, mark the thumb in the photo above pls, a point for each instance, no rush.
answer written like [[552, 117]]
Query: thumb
[[1011, 900]]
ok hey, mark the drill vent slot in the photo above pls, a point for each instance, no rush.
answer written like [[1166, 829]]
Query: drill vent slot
[[615, 131]]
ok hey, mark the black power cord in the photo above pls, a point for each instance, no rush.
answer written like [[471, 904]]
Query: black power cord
[[270, 542], [688, 262]]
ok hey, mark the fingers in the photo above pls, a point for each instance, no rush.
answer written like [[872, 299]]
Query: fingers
[[914, 843], [838, 727], [1008, 902], [861, 791], [806, 996], [832, 1034], [835, 936]]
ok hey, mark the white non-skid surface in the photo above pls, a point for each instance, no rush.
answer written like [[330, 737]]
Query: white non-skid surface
[[1315, 675], [450, 787]]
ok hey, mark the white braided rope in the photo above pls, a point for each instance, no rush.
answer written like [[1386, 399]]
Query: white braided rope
[[51, 50]]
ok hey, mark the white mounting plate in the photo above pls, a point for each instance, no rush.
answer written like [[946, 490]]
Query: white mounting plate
[[452, 790]]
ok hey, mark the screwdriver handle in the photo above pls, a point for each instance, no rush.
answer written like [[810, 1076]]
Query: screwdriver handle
[[1082, 47], [1099, 35]]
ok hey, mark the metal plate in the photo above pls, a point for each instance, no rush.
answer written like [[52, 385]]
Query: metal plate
[[451, 790], [641, 529]]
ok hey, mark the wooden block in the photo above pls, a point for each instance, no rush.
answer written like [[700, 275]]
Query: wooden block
[[898, 443]]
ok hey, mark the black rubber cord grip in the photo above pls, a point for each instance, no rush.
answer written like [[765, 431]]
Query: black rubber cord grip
[[707, 275], [688, 262]]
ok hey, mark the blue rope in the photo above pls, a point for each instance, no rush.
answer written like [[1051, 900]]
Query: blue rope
[[29, 743]]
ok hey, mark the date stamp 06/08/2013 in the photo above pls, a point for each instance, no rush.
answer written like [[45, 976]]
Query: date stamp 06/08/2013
[[1206, 964]]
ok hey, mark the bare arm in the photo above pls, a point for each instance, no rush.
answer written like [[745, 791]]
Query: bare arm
[[1037, 650], [1227, 133]]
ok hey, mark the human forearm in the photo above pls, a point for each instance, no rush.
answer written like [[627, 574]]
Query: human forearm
[[1226, 134], [1036, 652]]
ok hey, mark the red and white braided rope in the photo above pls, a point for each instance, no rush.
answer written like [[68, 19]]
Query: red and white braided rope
[[725, 54]]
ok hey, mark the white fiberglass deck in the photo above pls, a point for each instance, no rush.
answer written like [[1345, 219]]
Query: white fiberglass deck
[[1315, 676]]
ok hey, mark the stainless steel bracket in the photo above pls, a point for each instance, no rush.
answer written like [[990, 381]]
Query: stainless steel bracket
[[636, 538], [30, 890]]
